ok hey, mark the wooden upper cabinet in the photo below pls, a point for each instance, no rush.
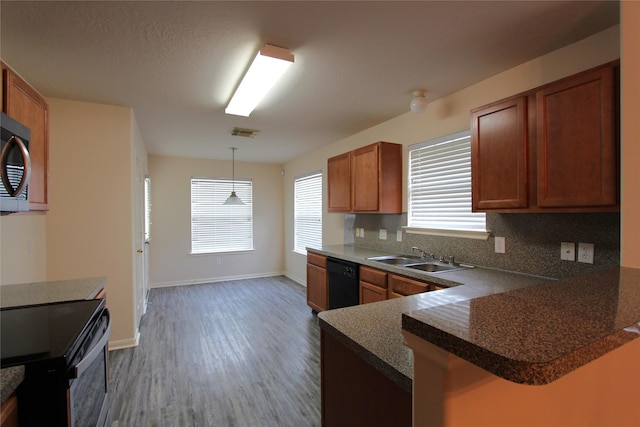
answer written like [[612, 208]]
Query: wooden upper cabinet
[[499, 144], [339, 183], [23, 103], [551, 149], [368, 179], [576, 141]]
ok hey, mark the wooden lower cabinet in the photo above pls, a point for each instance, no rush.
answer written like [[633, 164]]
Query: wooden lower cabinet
[[354, 393], [102, 294], [373, 285], [9, 412], [317, 282], [400, 286]]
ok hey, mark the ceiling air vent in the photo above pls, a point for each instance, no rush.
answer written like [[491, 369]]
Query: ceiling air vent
[[247, 133]]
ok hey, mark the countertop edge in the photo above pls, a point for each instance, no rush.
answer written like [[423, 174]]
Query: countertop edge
[[521, 372]]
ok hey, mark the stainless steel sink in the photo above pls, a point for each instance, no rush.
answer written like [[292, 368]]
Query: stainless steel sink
[[432, 267], [417, 263], [396, 260]]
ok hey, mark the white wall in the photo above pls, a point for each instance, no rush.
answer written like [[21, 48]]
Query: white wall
[[23, 247], [170, 260], [89, 228], [445, 116]]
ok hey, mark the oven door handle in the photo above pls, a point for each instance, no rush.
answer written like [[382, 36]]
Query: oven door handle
[[95, 352]]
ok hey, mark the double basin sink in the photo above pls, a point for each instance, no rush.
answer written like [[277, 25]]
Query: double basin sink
[[417, 263]]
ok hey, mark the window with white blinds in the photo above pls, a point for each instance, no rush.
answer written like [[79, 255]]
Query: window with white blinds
[[308, 212], [440, 185], [216, 227], [147, 210]]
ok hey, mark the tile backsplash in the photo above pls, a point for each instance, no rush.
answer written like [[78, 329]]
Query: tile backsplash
[[532, 241]]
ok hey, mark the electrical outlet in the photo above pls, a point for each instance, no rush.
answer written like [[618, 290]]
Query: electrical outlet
[[586, 252], [218, 261], [383, 234], [500, 245], [362, 232], [568, 251], [399, 236]]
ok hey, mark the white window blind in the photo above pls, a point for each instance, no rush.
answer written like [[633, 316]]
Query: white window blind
[[147, 210], [216, 227], [440, 185], [308, 212]]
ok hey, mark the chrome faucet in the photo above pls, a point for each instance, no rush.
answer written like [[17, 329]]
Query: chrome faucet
[[423, 253], [449, 259]]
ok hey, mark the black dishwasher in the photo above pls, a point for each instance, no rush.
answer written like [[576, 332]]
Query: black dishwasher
[[343, 283]]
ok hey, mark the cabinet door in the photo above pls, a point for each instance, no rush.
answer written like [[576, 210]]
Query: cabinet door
[[373, 285], [339, 183], [317, 288], [576, 142], [9, 412], [371, 293], [366, 177], [499, 141], [25, 105]]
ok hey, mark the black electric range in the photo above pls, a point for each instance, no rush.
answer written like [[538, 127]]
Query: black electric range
[[44, 332], [63, 346]]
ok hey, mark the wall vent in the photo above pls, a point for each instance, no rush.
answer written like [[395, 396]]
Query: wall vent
[[244, 132]]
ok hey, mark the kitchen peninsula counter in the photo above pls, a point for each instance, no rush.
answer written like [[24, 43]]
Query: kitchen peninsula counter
[[526, 329], [373, 331]]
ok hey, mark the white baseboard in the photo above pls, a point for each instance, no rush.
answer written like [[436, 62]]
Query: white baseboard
[[213, 280], [127, 343], [296, 279]]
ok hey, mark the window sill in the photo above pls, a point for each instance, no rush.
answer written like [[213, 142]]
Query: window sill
[[465, 234]]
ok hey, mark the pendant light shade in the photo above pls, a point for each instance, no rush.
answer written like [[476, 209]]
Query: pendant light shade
[[233, 199]]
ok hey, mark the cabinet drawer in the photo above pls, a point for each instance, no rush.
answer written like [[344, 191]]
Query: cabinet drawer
[[373, 276], [405, 286], [315, 259], [371, 293]]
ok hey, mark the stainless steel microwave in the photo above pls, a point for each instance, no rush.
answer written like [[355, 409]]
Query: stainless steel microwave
[[15, 165]]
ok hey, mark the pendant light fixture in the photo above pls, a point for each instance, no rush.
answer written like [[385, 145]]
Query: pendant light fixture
[[233, 199]]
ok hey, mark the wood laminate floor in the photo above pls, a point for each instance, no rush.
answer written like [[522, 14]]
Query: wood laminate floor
[[236, 353]]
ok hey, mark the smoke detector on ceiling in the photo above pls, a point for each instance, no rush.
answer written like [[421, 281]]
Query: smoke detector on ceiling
[[247, 133]]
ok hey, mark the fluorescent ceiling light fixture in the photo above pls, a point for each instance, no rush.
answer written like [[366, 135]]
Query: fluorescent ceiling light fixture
[[265, 70]]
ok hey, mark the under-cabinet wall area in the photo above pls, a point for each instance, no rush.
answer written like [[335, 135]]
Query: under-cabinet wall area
[[532, 241]]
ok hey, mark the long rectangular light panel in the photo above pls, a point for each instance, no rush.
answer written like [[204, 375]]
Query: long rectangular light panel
[[265, 70]]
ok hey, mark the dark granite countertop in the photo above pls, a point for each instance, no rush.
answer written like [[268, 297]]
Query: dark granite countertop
[[373, 330], [53, 291], [538, 334], [10, 379], [41, 293]]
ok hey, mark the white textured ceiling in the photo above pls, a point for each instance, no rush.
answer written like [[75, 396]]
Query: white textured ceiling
[[356, 63]]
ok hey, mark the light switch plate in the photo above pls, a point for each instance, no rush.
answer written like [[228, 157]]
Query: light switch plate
[[568, 251], [383, 234], [586, 252], [500, 245], [399, 236]]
